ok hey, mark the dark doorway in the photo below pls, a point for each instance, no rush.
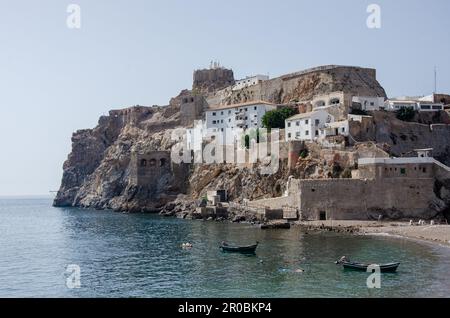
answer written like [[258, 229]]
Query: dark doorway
[[323, 216]]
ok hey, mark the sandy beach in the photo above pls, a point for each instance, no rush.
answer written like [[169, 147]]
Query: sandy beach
[[433, 233]]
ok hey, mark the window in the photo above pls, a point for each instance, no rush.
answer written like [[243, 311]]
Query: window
[[255, 108], [437, 107], [214, 122], [323, 216], [221, 121], [297, 123], [297, 134], [317, 122], [306, 122], [343, 129], [229, 112], [289, 135], [162, 162], [143, 163], [245, 109], [402, 170], [306, 132], [229, 120], [424, 170], [289, 124], [317, 133], [221, 113], [372, 104]]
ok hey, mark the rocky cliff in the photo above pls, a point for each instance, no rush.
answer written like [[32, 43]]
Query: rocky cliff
[[304, 85]]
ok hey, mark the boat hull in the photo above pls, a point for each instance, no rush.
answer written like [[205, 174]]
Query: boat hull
[[251, 249], [384, 268]]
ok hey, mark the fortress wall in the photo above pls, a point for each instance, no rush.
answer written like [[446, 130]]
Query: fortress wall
[[353, 199]]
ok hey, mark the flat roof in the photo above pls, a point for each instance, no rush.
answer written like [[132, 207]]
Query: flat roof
[[304, 115], [220, 107]]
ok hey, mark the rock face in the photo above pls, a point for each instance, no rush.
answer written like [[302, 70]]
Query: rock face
[[97, 173], [304, 85]]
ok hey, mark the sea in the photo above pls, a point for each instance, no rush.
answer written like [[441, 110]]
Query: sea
[[77, 253]]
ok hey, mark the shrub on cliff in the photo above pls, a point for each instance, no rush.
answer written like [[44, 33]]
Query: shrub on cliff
[[275, 118], [405, 114]]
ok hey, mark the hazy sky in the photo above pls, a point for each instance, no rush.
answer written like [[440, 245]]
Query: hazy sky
[[55, 80]]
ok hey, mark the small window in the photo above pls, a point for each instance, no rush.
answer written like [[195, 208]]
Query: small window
[[343, 129], [307, 132], [245, 109], [221, 121], [143, 163], [403, 171], [323, 216], [424, 170], [229, 112], [289, 135], [229, 120], [306, 122], [214, 122], [255, 108], [297, 134], [214, 113], [317, 133], [289, 124], [162, 162], [297, 123], [221, 113]]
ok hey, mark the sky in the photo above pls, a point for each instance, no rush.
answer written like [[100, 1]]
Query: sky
[[55, 80]]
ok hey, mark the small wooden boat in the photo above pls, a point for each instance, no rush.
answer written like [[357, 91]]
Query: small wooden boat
[[384, 268], [250, 249]]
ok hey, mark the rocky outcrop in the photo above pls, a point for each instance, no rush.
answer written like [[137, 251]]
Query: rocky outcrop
[[304, 85]]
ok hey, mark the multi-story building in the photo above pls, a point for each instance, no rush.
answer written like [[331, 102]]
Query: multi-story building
[[307, 126]]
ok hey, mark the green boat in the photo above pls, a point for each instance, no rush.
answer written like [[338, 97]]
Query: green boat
[[250, 249]]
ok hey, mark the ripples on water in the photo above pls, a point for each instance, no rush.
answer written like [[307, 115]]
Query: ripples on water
[[123, 255]]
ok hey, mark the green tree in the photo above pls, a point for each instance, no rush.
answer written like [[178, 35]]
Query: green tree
[[275, 118], [405, 113]]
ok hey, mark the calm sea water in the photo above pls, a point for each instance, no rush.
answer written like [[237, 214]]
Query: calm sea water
[[123, 255]]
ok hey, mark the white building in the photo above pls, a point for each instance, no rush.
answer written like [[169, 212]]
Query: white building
[[423, 106], [418, 105], [247, 115], [369, 103], [335, 129], [307, 126], [394, 104], [249, 81]]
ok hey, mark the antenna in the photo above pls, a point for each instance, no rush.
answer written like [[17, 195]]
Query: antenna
[[435, 80]]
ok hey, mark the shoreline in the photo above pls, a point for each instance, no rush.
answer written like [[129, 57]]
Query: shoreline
[[437, 234]]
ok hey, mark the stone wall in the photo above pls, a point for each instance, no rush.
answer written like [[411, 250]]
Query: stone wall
[[209, 80], [353, 199]]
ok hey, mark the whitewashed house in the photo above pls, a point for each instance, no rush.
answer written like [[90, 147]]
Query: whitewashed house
[[423, 106], [307, 126], [249, 81], [335, 129], [394, 104], [369, 103], [418, 105], [247, 115]]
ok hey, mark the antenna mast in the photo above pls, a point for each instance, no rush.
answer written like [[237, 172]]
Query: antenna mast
[[435, 79]]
